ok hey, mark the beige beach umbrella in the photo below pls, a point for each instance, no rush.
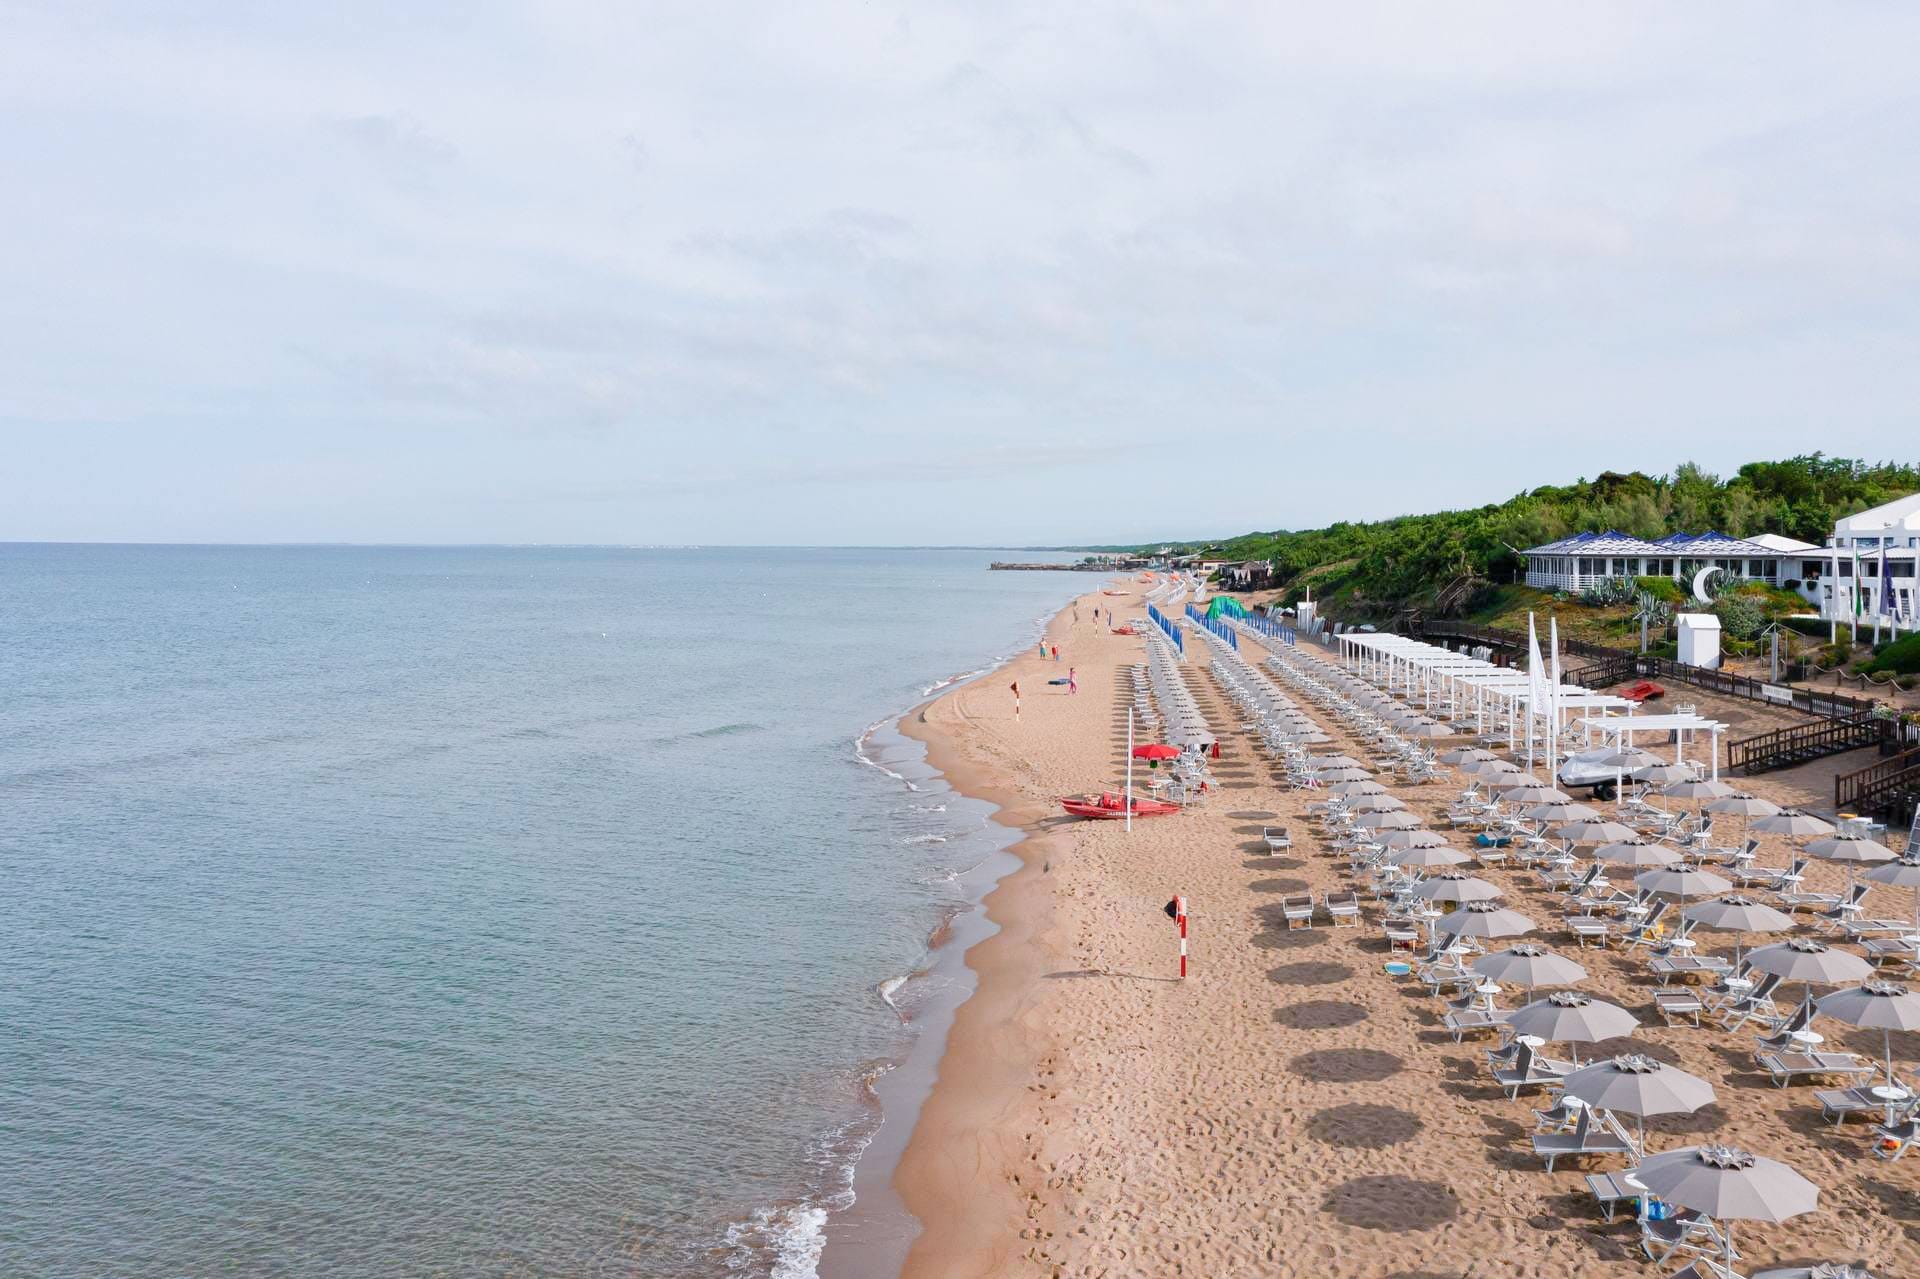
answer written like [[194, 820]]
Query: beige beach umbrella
[[1536, 793], [1465, 755], [1376, 804], [1563, 812], [1809, 962], [1597, 832], [1426, 857], [1388, 821], [1640, 1086], [1657, 775], [1413, 839], [1343, 774], [1851, 850], [1337, 761], [1454, 886], [1429, 730], [1529, 966], [1366, 786], [1794, 824], [1901, 872], [1569, 1017], [1636, 852], [1682, 880], [1733, 913], [1483, 919], [1745, 806], [1490, 768], [1875, 1005], [1728, 1184], [1697, 792]]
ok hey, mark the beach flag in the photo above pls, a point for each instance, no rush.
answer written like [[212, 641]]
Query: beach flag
[[1886, 578], [1536, 685], [1553, 699]]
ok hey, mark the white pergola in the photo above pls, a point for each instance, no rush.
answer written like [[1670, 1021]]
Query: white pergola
[[1425, 673], [1619, 732]]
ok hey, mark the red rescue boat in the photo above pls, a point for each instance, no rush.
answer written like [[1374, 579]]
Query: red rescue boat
[[1111, 805]]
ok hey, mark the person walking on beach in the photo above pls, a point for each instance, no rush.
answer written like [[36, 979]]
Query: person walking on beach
[[1056, 652], [1015, 686], [1072, 685]]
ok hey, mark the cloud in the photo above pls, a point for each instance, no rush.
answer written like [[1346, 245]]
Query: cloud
[[1354, 262]]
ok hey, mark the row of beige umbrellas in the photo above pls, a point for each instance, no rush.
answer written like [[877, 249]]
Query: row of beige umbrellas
[[1722, 1182]]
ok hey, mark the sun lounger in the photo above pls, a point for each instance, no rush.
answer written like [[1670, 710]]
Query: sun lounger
[[1882, 949], [1667, 967], [1859, 928], [1756, 1003], [1530, 1071], [1836, 1104], [1278, 840], [1590, 928], [1298, 910], [1785, 1067], [1674, 1004], [1589, 1137], [1844, 909], [1344, 911], [1893, 1140], [1465, 1021], [1688, 1234], [1611, 1189]]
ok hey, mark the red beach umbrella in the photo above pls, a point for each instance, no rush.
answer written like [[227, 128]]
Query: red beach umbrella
[[1156, 752]]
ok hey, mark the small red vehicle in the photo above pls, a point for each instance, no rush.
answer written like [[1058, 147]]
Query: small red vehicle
[[1645, 691]]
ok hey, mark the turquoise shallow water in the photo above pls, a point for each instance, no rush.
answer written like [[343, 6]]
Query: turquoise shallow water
[[475, 911]]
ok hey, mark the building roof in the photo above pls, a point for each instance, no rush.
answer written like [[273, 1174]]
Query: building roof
[[1901, 513], [1611, 542], [1711, 542], [1783, 545]]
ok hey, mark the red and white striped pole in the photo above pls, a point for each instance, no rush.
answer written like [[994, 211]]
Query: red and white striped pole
[[1180, 918]]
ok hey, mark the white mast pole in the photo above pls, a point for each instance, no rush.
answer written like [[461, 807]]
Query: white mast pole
[[1129, 795]]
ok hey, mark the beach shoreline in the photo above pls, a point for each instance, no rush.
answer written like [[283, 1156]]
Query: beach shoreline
[[1292, 1109]]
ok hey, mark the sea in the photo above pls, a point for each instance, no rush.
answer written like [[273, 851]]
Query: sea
[[477, 911]]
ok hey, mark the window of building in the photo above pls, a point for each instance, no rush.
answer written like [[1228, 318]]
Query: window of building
[[1846, 568], [1811, 570]]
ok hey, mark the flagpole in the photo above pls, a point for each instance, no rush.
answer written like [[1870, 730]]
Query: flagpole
[[1553, 700], [1129, 797]]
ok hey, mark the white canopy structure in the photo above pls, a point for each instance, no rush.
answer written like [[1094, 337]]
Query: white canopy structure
[[1462, 687], [1682, 728]]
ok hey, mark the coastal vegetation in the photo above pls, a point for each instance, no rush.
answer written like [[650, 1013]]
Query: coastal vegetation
[[1466, 563]]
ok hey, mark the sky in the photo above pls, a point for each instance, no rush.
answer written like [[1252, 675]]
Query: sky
[[921, 273]]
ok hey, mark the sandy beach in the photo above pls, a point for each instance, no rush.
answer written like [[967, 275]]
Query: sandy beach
[[1289, 1109]]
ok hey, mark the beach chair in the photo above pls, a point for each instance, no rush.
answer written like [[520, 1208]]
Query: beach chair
[[1665, 947], [1648, 930], [1667, 967], [1462, 1022], [1590, 1136], [1861, 929], [1895, 1139], [1786, 1065], [1298, 910], [1559, 1117], [1771, 878], [1672, 1005], [1278, 840], [1796, 900], [1836, 916], [1683, 1235], [1344, 911], [1529, 1071], [1755, 1004], [1780, 1038], [1590, 928], [1837, 1104], [1882, 949]]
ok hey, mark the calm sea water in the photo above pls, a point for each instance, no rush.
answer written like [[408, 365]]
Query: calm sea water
[[477, 911]]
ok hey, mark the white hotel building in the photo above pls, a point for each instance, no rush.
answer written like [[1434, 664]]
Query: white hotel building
[[1826, 577]]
